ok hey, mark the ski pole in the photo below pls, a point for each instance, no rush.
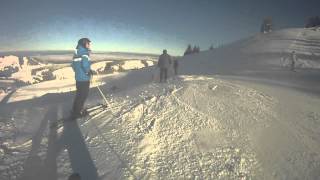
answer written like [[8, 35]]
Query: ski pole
[[103, 96], [105, 139]]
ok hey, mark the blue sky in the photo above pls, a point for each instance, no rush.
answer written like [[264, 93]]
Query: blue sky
[[141, 25]]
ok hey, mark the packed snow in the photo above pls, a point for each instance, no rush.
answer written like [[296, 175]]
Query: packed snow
[[235, 112]]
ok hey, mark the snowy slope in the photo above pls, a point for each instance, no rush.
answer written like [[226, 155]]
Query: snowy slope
[[262, 52], [192, 127], [261, 57], [186, 129], [233, 113], [159, 131]]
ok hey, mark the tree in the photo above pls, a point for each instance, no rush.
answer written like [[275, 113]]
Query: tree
[[188, 50], [313, 22], [194, 50], [198, 49]]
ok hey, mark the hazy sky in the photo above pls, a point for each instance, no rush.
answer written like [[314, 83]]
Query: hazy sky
[[141, 25]]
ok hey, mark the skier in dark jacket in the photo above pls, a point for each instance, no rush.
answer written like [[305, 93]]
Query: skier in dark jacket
[[293, 59], [164, 64], [81, 66]]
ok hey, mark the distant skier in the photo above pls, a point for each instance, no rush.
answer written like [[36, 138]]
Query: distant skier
[[81, 66], [164, 64], [175, 66], [293, 59]]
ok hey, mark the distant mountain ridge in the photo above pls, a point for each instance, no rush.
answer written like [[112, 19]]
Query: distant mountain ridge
[[65, 52]]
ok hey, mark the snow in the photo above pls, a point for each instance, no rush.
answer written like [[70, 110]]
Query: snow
[[95, 56], [9, 61], [64, 73], [21, 72], [135, 65], [62, 80], [233, 113]]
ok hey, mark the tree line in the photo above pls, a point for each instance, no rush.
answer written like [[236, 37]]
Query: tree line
[[313, 22], [190, 50]]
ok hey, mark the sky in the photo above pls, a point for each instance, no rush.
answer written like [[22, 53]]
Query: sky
[[147, 26]]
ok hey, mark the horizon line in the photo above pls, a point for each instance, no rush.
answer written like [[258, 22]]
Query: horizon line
[[72, 50]]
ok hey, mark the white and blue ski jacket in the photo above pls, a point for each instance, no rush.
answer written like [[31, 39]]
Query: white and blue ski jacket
[[81, 64]]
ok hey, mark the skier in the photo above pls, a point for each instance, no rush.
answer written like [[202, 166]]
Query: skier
[[164, 63], [175, 66], [81, 66], [188, 50], [293, 59]]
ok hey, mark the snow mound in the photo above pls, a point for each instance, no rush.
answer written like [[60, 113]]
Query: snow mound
[[101, 67], [195, 127], [105, 67], [9, 65], [136, 64], [64, 73], [9, 61], [24, 70]]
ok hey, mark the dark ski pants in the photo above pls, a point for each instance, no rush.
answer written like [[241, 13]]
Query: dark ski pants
[[163, 74], [81, 96]]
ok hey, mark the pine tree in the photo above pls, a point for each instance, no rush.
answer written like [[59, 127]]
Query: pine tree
[[198, 49], [317, 21], [194, 50], [313, 22], [310, 22], [188, 50]]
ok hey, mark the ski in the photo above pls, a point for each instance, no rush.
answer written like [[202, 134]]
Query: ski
[[92, 112]]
